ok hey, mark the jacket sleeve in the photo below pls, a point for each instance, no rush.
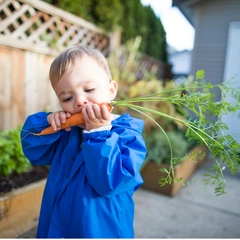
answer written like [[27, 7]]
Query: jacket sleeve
[[39, 150], [113, 159]]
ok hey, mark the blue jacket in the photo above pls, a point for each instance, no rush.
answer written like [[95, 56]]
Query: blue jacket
[[92, 178]]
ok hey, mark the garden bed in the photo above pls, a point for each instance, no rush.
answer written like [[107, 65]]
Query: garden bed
[[20, 200], [151, 175], [14, 181]]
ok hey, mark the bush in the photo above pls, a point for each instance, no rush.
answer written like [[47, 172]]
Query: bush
[[158, 147], [12, 158]]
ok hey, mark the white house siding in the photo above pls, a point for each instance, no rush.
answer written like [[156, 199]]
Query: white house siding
[[181, 62], [232, 68], [211, 22]]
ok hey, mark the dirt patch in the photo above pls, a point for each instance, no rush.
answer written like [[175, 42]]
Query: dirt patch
[[14, 181]]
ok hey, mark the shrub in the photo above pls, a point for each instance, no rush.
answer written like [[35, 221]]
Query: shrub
[[12, 158], [158, 147]]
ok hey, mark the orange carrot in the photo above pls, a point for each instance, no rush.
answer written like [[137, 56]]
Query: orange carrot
[[74, 120]]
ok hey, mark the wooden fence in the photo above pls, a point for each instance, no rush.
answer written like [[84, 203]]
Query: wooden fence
[[32, 33], [162, 70]]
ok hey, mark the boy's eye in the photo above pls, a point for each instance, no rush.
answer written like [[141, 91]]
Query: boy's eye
[[89, 89], [67, 99]]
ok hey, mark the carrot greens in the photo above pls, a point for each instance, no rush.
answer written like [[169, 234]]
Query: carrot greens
[[203, 122]]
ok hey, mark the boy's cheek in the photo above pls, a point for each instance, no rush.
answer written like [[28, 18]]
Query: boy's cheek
[[66, 108]]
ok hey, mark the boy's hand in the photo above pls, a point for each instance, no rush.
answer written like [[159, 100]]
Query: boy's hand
[[96, 116], [55, 119]]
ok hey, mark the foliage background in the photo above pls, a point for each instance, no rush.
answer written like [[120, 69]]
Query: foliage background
[[133, 18]]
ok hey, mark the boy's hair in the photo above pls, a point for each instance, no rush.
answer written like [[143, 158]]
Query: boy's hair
[[68, 59]]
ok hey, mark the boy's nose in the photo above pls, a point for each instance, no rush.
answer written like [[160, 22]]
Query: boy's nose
[[80, 101]]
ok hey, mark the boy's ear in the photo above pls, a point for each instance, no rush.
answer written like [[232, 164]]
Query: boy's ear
[[113, 89]]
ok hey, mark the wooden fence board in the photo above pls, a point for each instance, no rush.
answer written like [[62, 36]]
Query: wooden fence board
[[24, 86], [17, 88], [5, 75], [12, 86], [37, 93]]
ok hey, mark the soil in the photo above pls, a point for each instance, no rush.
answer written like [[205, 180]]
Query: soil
[[14, 181]]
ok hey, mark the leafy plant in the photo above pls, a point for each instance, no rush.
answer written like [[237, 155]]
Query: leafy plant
[[12, 158], [158, 148], [100, 12], [200, 101]]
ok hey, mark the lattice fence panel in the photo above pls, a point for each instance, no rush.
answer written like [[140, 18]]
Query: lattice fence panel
[[22, 21]]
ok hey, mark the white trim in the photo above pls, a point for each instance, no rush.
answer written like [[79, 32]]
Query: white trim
[[232, 70]]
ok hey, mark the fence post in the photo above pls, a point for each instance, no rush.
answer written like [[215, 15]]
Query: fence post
[[115, 39]]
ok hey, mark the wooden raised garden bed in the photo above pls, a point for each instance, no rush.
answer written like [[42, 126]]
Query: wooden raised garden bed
[[151, 175], [19, 209]]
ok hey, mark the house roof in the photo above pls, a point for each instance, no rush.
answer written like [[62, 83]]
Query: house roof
[[185, 6]]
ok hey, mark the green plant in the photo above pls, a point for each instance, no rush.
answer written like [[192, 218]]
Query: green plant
[[51, 41], [158, 148], [12, 158], [100, 12], [200, 101]]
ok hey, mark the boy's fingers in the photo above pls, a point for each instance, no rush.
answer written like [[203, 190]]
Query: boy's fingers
[[57, 120], [85, 115], [63, 117], [97, 111], [90, 112], [68, 114], [105, 113], [51, 121]]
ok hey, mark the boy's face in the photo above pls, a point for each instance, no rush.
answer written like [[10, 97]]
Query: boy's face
[[86, 82]]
